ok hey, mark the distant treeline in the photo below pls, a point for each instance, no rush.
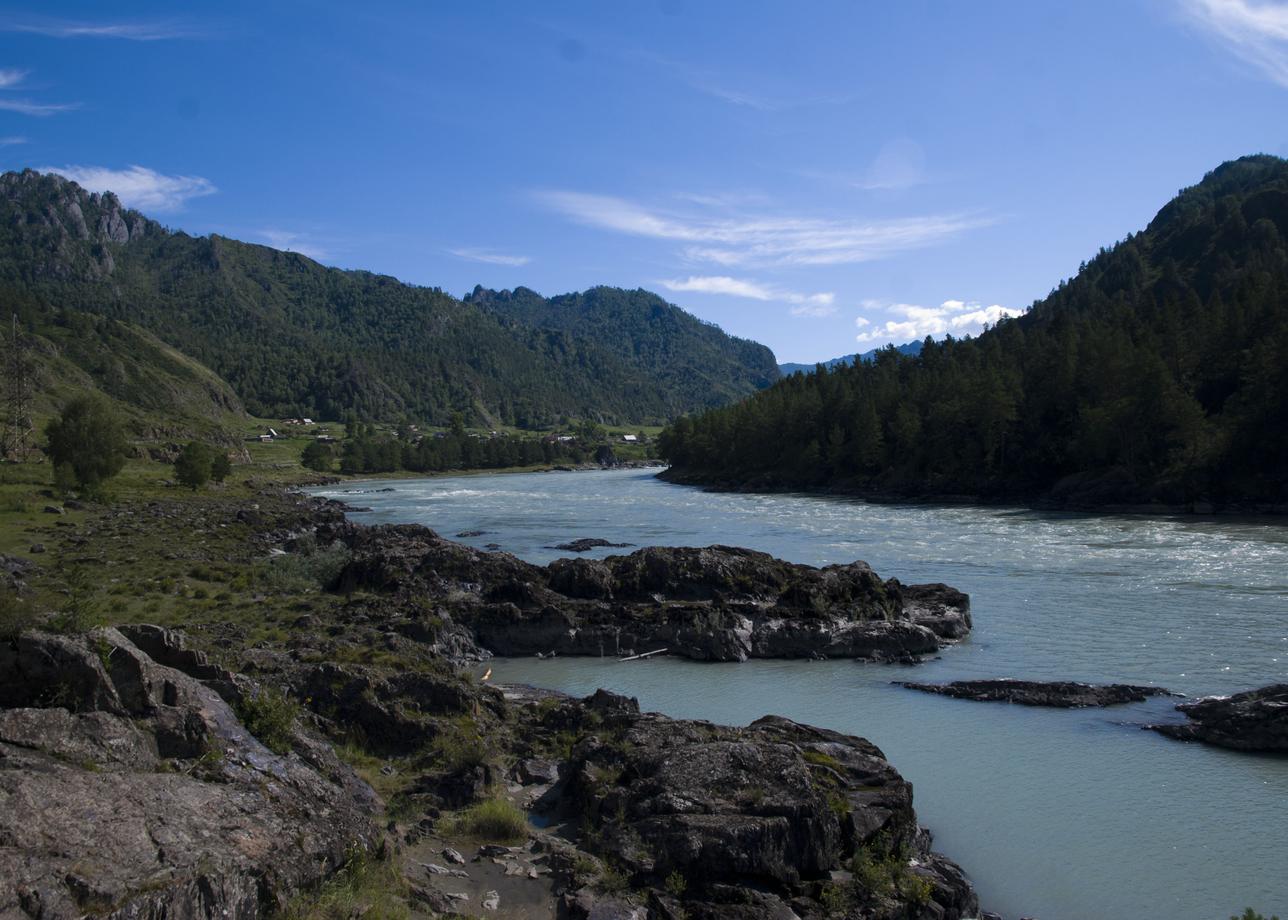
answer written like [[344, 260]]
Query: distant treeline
[[1160, 372], [370, 451]]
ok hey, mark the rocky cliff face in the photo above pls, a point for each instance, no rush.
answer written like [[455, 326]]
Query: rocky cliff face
[[57, 217], [715, 603], [131, 790]]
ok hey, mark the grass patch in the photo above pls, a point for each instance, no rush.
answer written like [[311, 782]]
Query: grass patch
[[366, 887], [494, 820]]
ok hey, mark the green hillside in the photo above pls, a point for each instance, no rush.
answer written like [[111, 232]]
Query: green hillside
[[293, 337], [1160, 373], [702, 366]]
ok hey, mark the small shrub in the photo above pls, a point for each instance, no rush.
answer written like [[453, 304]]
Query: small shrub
[[16, 615], [613, 881], [1250, 914], [495, 820], [81, 610], [459, 747], [270, 716], [676, 884]]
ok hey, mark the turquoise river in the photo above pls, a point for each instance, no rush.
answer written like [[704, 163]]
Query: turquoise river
[[1061, 815]]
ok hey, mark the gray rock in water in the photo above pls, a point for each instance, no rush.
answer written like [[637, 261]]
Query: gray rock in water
[[585, 544], [1256, 720], [1057, 694]]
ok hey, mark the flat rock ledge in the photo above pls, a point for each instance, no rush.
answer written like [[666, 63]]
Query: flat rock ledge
[[1056, 694], [130, 790], [1256, 720], [715, 603]]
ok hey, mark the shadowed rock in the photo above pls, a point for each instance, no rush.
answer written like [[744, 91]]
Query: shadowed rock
[[1057, 694], [715, 603], [770, 813]]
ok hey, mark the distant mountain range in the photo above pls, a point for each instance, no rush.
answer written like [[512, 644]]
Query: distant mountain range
[[908, 348], [292, 337]]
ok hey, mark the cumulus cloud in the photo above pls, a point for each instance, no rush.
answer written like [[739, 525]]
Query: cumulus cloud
[[762, 239], [912, 321], [1256, 32], [290, 241], [138, 186], [820, 304], [489, 256]]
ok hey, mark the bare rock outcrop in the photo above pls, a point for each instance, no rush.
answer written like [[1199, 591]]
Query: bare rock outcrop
[[131, 790], [715, 603], [781, 817]]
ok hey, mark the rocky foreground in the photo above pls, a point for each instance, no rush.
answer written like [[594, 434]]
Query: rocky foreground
[[132, 790], [716, 603], [1256, 720], [326, 732], [1063, 694]]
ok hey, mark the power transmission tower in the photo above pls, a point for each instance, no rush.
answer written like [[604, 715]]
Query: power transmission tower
[[16, 440]]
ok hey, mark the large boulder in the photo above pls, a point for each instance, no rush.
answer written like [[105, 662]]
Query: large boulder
[[132, 790], [777, 810]]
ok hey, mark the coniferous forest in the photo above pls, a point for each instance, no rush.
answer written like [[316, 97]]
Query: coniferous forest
[[1158, 373]]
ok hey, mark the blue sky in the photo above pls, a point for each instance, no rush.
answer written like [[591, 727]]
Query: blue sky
[[821, 177]]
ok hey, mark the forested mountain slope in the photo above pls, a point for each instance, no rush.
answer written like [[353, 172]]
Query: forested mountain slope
[[294, 337], [1158, 373], [703, 365]]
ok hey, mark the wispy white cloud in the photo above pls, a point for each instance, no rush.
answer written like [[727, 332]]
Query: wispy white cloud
[[290, 241], [490, 256], [39, 109], [813, 310], [138, 186], [1256, 32], [11, 77], [130, 31], [767, 240], [820, 304], [952, 317], [12, 140]]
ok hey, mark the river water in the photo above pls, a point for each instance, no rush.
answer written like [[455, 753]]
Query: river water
[[1061, 815]]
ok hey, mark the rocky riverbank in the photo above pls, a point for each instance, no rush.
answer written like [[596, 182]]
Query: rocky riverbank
[[147, 774]]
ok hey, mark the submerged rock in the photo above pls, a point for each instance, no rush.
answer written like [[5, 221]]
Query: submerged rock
[[1256, 720], [1059, 694], [586, 544]]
